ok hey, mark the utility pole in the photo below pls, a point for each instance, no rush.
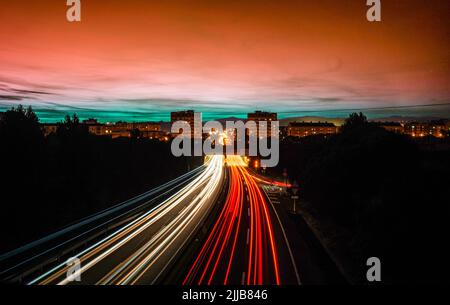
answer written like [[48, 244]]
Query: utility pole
[[285, 175], [294, 191]]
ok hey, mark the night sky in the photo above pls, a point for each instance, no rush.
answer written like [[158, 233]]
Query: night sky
[[140, 59]]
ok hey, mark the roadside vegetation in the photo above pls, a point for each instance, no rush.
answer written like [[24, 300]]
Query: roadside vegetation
[[370, 192], [49, 182]]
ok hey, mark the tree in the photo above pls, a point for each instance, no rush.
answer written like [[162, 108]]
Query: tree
[[31, 116], [72, 127], [135, 133], [18, 124], [355, 121]]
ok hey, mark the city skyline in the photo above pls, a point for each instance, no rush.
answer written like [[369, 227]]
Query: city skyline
[[140, 60], [406, 113]]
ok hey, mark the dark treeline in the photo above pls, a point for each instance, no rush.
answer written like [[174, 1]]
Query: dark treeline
[[391, 195], [48, 182]]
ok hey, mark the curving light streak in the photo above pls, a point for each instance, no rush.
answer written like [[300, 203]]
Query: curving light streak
[[272, 182], [220, 247], [100, 219], [179, 226], [146, 256]]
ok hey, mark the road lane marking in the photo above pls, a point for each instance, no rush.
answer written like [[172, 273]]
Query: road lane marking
[[287, 244]]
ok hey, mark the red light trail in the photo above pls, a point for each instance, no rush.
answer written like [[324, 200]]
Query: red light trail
[[273, 182], [223, 257]]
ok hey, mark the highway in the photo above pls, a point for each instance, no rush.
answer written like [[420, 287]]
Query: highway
[[247, 244], [140, 246], [220, 224]]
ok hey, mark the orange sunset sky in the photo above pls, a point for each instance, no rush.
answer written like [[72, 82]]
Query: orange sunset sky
[[139, 59]]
